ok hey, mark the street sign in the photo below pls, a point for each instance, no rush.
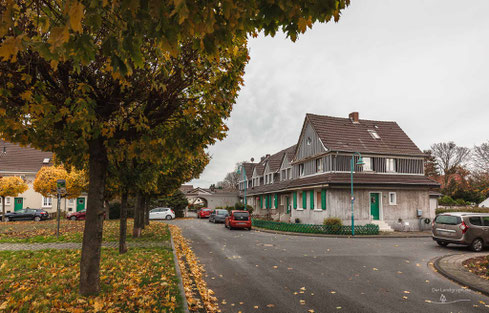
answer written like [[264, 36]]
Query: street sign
[[61, 186]]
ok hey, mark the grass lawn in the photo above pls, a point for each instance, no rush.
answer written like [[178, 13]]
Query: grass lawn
[[478, 266], [142, 280], [72, 231]]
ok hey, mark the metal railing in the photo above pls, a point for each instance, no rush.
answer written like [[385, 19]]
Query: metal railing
[[369, 229]]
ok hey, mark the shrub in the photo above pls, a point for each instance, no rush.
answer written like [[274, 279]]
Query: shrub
[[460, 202], [446, 200], [332, 221], [115, 210], [466, 209], [297, 220], [333, 224]]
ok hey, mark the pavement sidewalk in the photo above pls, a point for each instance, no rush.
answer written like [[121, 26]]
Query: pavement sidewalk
[[451, 266], [395, 234]]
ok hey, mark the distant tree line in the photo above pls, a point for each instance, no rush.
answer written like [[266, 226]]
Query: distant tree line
[[462, 172]]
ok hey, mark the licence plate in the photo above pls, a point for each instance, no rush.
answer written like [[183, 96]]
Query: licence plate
[[241, 223]]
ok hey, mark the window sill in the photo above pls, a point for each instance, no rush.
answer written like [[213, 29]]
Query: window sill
[[318, 210], [298, 209]]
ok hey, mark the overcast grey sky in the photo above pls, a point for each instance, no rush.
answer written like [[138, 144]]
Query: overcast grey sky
[[423, 64]]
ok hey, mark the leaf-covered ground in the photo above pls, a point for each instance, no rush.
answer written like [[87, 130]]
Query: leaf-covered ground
[[478, 266], [142, 280], [72, 231], [199, 297]]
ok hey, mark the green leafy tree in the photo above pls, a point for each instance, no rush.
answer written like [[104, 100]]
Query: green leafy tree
[[81, 78], [176, 201]]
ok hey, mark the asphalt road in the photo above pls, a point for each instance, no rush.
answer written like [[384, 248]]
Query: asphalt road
[[252, 271]]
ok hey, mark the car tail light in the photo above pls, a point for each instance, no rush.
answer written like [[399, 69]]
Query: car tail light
[[463, 227], [172, 211], [433, 223]]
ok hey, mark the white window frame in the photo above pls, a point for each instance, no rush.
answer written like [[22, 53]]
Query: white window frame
[[301, 169], [390, 165], [319, 168], [47, 204], [392, 201], [7, 201], [367, 164], [374, 134]]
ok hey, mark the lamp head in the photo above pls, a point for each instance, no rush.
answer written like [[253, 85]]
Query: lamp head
[[360, 161]]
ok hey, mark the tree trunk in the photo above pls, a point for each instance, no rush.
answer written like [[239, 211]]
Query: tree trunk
[[94, 223], [146, 211], [106, 209], [138, 218], [123, 224]]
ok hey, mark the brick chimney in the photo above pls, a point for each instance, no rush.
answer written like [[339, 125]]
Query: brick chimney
[[353, 117]]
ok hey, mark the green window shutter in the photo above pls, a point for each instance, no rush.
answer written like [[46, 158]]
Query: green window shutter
[[261, 202], [304, 200], [276, 201], [311, 197], [323, 199], [295, 199]]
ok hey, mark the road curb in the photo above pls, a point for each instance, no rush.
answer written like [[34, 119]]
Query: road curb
[[180, 283], [277, 232], [451, 266]]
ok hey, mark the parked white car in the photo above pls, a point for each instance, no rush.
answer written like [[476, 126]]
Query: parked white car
[[161, 214]]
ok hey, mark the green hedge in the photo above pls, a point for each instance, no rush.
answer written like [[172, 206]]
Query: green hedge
[[369, 229], [463, 209]]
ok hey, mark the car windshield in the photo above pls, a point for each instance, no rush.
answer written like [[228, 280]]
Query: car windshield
[[448, 220], [206, 210], [222, 212], [241, 215]]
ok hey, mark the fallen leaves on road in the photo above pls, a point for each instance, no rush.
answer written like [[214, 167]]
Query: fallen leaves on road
[[192, 272]]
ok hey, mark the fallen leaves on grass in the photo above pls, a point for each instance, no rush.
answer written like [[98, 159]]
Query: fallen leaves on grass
[[142, 280], [192, 273], [72, 231]]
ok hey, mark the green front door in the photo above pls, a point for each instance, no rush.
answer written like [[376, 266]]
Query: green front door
[[374, 205], [80, 204], [18, 204]]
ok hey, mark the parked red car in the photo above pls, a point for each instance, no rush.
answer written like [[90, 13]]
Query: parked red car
[[79, 216], [76, 216], [238, 219], [204, 213]]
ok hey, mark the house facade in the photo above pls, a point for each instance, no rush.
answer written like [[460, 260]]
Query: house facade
[[311, 180], [25, 162]]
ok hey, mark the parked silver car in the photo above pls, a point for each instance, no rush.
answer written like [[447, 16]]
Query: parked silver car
[[469, 229], [218, 216]]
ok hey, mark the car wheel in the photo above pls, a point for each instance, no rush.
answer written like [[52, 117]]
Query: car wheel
[[477, 245], [7, 219], [168, 217], [249, 228], [442, 243], [37, 218]]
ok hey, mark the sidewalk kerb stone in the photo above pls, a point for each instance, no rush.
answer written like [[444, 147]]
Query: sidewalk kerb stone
[[451, 266], [180, 282]]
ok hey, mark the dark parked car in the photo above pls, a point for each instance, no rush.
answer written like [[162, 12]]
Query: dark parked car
[[27, 215], [218, 216], [238, 219]]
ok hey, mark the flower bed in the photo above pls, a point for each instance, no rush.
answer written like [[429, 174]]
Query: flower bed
[[369, 229]]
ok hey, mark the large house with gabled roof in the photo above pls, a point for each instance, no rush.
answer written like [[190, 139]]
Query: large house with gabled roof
[[310, 181]]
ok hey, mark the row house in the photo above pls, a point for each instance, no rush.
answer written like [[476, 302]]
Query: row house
[[310, 181], [25, 162]]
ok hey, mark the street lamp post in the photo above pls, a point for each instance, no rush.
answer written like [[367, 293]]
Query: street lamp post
[[241, 169], [352, 167]]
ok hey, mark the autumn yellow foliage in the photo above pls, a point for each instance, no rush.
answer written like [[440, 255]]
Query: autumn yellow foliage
[[11, 186], [45, 182]]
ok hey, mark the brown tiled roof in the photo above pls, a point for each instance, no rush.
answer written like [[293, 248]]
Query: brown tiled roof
[[249, 169], [22, 159], [340, 134], [186, 188], [275, 160], [344, 179]]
